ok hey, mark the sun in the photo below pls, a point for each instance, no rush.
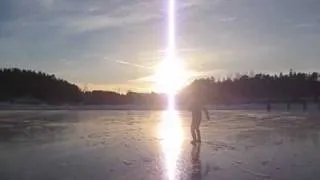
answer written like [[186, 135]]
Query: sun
[[171, 75]]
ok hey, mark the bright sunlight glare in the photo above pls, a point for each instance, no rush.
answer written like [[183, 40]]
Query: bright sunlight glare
[[172, 134], [170, 77], [171, 74]]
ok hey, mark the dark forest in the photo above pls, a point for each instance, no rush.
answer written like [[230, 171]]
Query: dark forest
[[31, 87]]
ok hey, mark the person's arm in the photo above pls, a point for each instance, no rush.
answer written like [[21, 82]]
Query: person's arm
[[207, 113]]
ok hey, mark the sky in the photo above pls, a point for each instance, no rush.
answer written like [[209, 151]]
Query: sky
[[116, 44]]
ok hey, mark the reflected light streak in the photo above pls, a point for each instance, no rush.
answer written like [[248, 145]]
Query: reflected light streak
[[171, 134]]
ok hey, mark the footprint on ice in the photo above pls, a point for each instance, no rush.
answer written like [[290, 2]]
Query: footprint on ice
[[209, 143], [128, 163], [216, 168], [265, 176], [146, 160], [207, 170], [278, 142], [265, 162]]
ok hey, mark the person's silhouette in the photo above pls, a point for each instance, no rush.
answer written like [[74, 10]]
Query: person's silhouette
[[196, 163], [196, 110]]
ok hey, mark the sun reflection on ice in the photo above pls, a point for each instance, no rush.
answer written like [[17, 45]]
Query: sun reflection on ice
[[171, 77], [171, 134]]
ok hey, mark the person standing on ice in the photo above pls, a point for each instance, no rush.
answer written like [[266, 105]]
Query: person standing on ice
[[196, 108]]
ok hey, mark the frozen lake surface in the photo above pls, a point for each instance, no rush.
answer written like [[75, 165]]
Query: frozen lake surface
[[100, 145]]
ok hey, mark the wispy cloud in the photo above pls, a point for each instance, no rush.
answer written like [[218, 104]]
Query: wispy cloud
[[133, 64], [106, 21], [229, 19], [47, 3], [124, 15], [81, 16], [306, 25], [162, 51]]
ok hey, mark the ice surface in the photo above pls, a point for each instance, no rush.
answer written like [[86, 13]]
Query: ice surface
[[237, 144]]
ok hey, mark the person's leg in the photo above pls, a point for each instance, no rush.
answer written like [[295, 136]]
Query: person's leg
[[192, 130], [197, 127], [198, 134]]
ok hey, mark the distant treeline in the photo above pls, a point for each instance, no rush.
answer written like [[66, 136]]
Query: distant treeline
[[291, 87], [153, 100], [25, 86], [33, 87], [30, 87]]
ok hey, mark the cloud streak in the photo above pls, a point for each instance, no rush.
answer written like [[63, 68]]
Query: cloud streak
[[134, 65]]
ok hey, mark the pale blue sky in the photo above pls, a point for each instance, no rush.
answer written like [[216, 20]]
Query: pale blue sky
[[116, 43]]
